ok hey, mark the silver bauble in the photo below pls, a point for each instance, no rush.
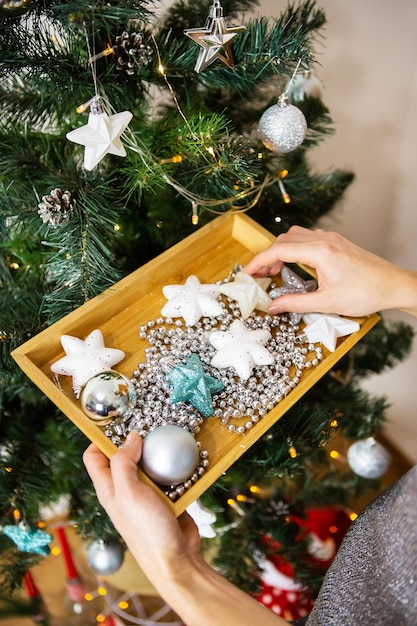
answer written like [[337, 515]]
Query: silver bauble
[[282, 127], [170, 455], [107, 395], [105, 557], [368, 458]]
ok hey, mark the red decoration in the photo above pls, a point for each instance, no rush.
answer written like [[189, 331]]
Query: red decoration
[[30, 586], [66, 553], [280, 592]]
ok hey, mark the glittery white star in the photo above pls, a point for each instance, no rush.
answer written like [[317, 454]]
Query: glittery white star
[[326, 329], [249, 293], [192, 301], [215, 39], [85, 359], [101, 136], [240, 348]]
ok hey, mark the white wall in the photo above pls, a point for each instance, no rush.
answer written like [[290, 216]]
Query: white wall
[[369, 74]]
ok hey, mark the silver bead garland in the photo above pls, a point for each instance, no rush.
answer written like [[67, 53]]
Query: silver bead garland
[[240, 405]]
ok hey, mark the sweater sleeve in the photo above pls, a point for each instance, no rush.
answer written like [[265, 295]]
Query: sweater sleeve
[[373, 578]]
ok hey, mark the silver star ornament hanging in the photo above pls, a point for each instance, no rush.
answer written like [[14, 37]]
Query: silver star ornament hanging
[[215, 39]]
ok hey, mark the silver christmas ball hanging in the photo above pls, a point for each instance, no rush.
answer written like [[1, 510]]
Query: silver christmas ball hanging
[[368, 458], [107, 396], [170, 455], [282, 126], [105, 557]]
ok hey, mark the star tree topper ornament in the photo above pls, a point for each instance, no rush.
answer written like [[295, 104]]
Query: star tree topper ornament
[[85, 359], [101, 134], [215, 39]]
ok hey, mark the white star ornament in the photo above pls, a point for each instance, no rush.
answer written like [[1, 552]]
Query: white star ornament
[[85, 359], [101, 136], [192, 300], [241, 348], [215, 39], [326, 329], [249, 293], [203, 517]]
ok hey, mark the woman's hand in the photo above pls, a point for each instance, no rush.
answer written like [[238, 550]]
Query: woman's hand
[[351, 280], [163, 546], [167, 549]]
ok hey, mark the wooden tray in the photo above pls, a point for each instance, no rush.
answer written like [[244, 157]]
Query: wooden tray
[[210, 253]]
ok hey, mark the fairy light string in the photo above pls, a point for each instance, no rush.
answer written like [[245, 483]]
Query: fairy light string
[[252, 194]]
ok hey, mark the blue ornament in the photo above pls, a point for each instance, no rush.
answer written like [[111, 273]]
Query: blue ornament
[[29, 539], [191, 384]]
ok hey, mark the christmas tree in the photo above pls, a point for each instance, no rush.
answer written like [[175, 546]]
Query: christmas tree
[[124, 129]]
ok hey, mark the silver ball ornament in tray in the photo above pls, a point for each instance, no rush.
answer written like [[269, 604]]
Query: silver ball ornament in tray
[[107, 396], [170, 455]]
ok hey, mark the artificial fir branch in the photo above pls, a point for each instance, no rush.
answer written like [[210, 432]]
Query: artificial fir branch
[[192, 137]]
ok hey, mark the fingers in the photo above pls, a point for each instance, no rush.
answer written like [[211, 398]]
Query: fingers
[[302, 303], [98, 468], [289, 247]]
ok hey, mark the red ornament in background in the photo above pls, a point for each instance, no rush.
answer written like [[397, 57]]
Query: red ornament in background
[[280, 592], [33, 592]]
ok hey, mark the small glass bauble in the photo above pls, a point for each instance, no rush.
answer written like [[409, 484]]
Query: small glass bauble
[[368, 458], [282, 127], [105, 557], [170, 455], [107, 396]]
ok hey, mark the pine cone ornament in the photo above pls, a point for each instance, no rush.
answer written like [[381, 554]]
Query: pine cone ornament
[[56, 207], [132, 52]]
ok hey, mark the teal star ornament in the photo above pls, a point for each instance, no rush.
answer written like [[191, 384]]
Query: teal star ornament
[[190, 383], [215, 39], [28, 539]]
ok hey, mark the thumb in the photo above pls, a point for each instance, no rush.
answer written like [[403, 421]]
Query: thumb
[[124, 462]]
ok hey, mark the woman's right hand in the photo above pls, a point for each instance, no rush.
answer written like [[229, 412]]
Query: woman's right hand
[[351, 280]]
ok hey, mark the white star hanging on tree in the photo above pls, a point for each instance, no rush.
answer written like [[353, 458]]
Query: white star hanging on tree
[[85, 359], [192, 301], [249, 293], [241, 348], [101, 135], [215, 39], [326, 329]]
